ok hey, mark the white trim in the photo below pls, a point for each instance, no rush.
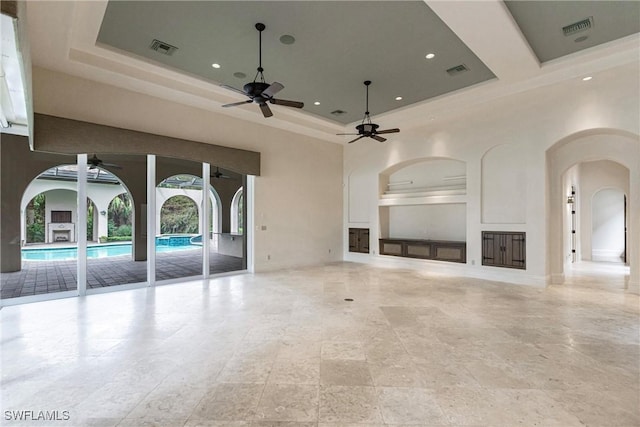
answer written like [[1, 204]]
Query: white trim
[[115, 288], [81, 228], [204, 220], [151, 219], [5, 302], [249, 230], [233, 211], [513, 276]]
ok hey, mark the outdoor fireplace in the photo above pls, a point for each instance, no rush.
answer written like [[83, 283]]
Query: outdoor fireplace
[[61, 235], [61, 232]]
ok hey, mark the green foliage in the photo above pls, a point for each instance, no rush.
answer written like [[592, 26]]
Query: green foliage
[[119, 215], [90, 211], [35, 232], [178, 215], [123, 230], [35, 219], [119, 238], [240, 214]]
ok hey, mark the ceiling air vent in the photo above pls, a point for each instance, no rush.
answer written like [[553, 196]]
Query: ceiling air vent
[[453, 71], [338, 112], [577, 27], [162, 47]]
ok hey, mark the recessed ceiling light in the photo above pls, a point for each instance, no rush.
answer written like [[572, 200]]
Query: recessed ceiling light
[[398, 98], [586, 79], [316, 103], [239, 75], [214, 65], [430, 55]]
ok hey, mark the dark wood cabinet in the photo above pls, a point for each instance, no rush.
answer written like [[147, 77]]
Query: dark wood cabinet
[[440, 250], [504, 249], [359, 240]]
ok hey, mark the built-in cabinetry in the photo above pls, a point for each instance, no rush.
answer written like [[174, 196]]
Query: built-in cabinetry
[[359, 240], [504, 249], [422, 210], [439, 250]]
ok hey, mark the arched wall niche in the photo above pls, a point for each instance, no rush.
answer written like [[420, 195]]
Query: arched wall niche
[[424, 173], [616, 145], [424, 199]]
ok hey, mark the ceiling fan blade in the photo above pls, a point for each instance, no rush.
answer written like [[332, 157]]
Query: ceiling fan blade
[[294, 104], [92, 166], [354, 140], [378, 138], [111, 165], [347, 134], [396, 130], [235, 104], [266, 111], [233, 89], [274, 88]]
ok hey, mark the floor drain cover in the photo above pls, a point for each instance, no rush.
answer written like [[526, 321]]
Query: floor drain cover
[[348, 299]]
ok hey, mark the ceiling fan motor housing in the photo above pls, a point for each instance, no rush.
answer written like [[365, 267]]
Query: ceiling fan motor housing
[[367, 128], [254, 89]]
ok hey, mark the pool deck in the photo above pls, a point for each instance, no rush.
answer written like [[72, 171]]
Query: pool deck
[[41, 277]]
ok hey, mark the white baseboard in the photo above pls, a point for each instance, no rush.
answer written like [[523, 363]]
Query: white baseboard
[[606, 255], [512, 276]]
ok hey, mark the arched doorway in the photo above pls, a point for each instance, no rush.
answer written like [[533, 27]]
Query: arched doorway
[[50, 232], [565, 160]]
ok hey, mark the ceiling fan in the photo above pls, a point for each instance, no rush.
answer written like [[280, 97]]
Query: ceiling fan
[[368, 129], [260, 91], [95, 162], [217, 174]]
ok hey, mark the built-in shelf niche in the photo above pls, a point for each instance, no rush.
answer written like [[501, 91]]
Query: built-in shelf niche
[[424, 200], [432, 181]]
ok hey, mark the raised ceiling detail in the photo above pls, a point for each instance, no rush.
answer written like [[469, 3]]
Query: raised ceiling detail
[[338, 44], [589, 23]]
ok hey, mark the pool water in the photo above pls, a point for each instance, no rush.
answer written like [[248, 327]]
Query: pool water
[[94, 251]]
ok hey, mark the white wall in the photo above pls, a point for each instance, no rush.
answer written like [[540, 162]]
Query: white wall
[[532, 121], [60, 200], [596, 176], [607, 242], [298, 198], [571, 241], [431, 222], [504, 185]]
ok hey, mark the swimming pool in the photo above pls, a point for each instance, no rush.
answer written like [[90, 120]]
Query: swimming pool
[[94, 251]]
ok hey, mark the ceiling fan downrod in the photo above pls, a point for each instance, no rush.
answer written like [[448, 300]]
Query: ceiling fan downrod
[[260, 27], [366, 111]]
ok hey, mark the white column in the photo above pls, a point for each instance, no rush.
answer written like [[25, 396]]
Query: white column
[[81, 225], [249, 230], [633, 231], [204, 220], [151, 219]]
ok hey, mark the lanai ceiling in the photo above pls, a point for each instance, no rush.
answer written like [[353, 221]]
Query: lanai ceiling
[[505, 47]]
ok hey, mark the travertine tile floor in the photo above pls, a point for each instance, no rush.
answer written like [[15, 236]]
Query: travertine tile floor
[[286, 349]]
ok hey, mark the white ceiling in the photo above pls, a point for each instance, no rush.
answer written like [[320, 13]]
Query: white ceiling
[[63, 38]]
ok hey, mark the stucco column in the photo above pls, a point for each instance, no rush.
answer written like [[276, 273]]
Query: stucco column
[[633, 231]]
